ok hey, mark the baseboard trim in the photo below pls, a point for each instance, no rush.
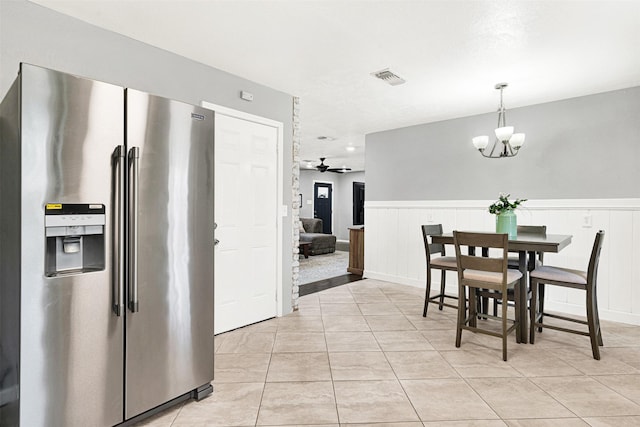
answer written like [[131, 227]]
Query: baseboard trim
[[572, 309], [613, 316], [395, 279], [342, 245]]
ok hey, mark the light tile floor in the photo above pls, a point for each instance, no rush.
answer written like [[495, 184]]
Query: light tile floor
[[363, 354]]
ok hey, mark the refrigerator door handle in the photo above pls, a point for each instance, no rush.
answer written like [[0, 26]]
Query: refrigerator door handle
[[134, 155], [119, 232]]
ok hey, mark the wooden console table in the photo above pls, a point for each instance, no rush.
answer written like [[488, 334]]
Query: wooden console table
[[356, 251]]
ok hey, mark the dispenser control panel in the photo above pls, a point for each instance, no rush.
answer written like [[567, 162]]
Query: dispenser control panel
[[75, 238]]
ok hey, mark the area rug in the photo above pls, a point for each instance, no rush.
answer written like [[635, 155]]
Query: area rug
[[320, 267]]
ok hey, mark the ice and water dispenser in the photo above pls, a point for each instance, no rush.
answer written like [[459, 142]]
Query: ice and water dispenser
[[75, 238]]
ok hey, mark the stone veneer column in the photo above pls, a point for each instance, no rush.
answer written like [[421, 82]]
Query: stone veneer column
[[295, 208]]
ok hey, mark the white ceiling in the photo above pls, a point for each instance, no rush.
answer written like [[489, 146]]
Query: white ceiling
[[450, 52]]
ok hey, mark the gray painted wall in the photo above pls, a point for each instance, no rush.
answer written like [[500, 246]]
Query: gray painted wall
[[585, 147], [342, 197], [34, 34]]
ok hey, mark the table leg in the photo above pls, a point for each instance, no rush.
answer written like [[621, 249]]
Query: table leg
[[533, 257], [522, 266]]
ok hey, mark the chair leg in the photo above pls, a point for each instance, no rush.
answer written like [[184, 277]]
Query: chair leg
[[541, 304], [485, 305], [504, 325], [462, 311], [593, 333], [427, 293], [481, 307], [597, 317], [495, 306], [443, 278], [533, 311], [473, 307]]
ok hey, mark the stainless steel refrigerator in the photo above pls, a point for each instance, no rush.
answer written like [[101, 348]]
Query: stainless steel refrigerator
[[106, 251]]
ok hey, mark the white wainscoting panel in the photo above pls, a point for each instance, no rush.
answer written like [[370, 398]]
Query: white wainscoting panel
[[394, 250]]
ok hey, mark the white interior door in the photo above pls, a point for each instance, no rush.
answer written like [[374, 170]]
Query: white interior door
[[246, 209]]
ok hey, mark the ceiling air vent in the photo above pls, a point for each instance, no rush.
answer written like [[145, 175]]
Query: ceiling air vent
[[389, 77]]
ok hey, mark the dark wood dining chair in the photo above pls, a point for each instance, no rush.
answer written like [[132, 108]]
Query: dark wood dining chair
[[487, 274], [514, 261], [443, 263], [569, 278]]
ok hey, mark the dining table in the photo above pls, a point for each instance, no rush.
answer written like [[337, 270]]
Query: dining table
[[522, 243]]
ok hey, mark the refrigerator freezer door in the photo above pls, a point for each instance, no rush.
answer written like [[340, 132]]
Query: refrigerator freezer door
[[169, 348], [71, 354]]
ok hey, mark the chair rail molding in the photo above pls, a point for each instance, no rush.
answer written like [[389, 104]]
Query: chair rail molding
[[394, 249], [593, 204]]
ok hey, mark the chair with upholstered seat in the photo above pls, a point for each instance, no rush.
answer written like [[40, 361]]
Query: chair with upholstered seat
[[443, 263], [514, 261], [487, 274], [532, 260], [569, 278]]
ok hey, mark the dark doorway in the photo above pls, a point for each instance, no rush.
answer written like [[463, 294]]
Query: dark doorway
[[322, 204], [358, 203]]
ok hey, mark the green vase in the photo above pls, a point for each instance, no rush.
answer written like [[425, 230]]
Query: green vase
[[507, 222]]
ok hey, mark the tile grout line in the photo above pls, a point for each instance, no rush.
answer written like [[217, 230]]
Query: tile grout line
[[333, 385], [264, 386], [177, 413], [266, 374], [583, 373], [556, 400], [415, 410]]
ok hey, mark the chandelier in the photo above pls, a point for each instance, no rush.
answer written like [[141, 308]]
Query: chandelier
[[507, 143]]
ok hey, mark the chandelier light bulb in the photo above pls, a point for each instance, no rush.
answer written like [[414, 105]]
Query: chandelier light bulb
[[516, 141], [504, 133], [480, 142]]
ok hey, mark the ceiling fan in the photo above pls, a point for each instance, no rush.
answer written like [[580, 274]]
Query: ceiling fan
[[324, 168]]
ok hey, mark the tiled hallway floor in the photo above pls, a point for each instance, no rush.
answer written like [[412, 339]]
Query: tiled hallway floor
[[363, 354]]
